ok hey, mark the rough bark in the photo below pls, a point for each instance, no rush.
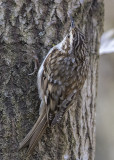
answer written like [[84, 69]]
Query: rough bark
[[28, 26]]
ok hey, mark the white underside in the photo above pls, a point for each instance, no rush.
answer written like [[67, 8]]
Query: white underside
[[41, 69]]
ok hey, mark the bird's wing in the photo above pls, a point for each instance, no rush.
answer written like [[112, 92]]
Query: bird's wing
[[59, 81]]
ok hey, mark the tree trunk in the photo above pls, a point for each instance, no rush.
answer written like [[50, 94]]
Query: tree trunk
[[34, 26]]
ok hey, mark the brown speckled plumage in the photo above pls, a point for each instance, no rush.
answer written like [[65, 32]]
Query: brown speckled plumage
[[62, 73]]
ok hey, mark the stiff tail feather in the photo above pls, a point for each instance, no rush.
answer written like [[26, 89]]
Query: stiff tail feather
[[25, 142], [37, 134]]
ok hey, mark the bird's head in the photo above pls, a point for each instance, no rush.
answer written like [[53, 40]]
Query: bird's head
[[75, 35]]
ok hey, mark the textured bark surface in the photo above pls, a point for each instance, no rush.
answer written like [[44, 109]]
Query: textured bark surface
[[28, 26]]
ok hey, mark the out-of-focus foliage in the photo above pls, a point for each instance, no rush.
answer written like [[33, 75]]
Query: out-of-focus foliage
[[105, 102], [107, 42]]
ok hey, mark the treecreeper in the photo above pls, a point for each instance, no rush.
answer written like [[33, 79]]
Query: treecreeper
[[61, 75]]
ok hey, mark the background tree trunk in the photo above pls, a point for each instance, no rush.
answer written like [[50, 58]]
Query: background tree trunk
[[28, 26]]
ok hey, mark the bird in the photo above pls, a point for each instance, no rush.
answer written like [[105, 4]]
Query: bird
[[61, 75]]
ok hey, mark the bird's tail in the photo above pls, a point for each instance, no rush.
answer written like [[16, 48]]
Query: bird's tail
[[35, 134]]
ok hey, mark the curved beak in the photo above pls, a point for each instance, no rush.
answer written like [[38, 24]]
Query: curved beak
[[72, 22]]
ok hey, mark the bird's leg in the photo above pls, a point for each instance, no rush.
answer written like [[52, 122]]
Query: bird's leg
[[36, 62]]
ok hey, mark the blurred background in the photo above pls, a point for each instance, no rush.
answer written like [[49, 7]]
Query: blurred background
[[105, 100]]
